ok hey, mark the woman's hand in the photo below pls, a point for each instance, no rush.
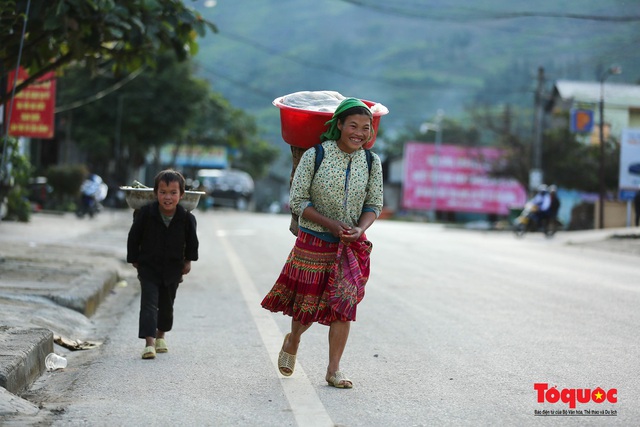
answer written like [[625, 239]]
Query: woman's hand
[[351, 235], [337, 228]]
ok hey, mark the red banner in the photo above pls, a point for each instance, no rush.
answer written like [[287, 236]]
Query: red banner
[[33, 107]]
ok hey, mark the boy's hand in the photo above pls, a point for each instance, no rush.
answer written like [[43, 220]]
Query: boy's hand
[[187, 267]]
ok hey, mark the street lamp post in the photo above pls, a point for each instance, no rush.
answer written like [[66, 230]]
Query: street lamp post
[[607, 73], [437, 127]]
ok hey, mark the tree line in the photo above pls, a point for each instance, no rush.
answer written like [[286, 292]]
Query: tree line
[[126, 79]]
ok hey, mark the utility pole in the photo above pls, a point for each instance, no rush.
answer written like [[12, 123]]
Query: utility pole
[[536, 176], [437, 127], [602, 187]]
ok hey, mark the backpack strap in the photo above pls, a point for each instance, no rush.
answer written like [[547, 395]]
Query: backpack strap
[[369, 157], [320, 155]]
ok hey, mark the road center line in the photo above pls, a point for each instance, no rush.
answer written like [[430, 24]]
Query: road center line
[[305, 404]]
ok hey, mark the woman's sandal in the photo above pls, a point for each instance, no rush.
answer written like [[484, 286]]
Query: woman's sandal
[[340, 380], [286, 361]]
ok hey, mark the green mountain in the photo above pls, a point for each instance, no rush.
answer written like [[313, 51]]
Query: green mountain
[[413, 56]]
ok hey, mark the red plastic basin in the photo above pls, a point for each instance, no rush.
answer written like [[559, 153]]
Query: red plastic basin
[[302, 128]]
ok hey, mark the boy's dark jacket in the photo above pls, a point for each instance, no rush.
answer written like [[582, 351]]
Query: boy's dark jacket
[[160, 251]]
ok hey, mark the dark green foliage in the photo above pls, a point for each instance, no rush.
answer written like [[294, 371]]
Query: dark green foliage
[[162, 105], [18, 170], [574, 164], [257, 157], [66, 181], [122, 35]]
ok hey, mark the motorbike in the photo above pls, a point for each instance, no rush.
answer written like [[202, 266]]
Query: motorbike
[[88, 206], [93, 191], [528, 222]]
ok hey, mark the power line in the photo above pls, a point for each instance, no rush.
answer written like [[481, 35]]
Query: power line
[[328, 67], [101, 94], [484, 15], [273, 52], [239, 83], [269, 50]]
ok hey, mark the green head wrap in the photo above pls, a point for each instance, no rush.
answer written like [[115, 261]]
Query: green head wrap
[[333, 134]]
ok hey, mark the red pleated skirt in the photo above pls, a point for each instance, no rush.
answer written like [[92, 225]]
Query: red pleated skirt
[[301, 289]]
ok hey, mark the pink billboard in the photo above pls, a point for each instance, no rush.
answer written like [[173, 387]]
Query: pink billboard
[[459, 178]]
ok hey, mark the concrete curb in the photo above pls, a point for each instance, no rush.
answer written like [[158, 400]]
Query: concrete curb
[[87, 293], [24, 349], [10, 404], [23, 354], [55, 271]]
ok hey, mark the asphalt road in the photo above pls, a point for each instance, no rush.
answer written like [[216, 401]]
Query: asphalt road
[[457, 328]]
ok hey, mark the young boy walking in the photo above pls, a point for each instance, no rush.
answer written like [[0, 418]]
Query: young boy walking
[[162, 243]]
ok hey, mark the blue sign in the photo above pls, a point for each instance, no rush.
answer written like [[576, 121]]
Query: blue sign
[[196, 156], [581, 120], [626, 194]]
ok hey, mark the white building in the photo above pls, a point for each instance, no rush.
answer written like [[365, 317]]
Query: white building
[[621, 104]]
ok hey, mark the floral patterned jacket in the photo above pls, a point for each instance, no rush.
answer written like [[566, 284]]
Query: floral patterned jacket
[[341, 189]]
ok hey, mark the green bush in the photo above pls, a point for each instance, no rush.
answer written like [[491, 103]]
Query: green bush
[[19, 207], [16, 175], [65, 180]]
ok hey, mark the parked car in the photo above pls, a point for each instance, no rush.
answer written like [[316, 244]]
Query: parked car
[[226, 187]]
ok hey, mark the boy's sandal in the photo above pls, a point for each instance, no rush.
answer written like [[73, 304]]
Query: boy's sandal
[[340, 380], [149, 353], [161, 345], [286, 361]]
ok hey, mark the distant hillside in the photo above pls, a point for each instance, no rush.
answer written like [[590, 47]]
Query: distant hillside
[[413, 56]]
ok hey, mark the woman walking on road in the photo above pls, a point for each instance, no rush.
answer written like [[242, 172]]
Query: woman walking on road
[[324, 276]]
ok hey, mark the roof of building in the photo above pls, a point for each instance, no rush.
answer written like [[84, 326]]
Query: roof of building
[[615, 93]]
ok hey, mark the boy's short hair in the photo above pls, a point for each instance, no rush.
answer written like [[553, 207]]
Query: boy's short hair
[[169, 176]]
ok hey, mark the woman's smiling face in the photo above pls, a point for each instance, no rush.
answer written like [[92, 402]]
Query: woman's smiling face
[[168, 197], [355, 131]]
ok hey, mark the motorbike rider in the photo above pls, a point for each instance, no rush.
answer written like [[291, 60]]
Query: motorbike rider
[[542, 201], [93, 191], [554, 206]]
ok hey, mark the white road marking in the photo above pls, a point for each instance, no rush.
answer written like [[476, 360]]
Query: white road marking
[[305, 404], [239, 232]]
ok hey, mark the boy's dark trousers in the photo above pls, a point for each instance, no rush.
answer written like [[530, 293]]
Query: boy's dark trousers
[[156, 307]]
